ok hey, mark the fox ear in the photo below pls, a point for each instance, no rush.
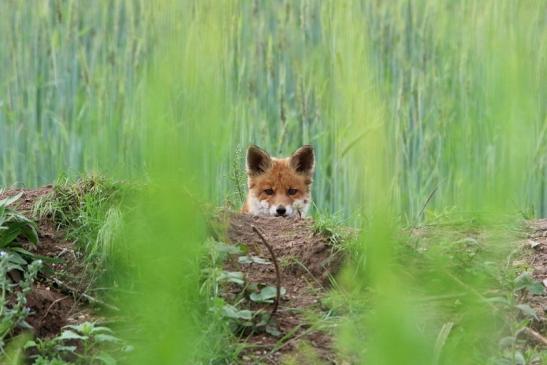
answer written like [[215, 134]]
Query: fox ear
[[303, 160], [258, 160]]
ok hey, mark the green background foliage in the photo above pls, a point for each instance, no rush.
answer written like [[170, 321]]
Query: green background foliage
[[446, 75]]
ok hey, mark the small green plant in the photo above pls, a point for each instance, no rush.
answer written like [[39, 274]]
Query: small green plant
[[13, 227], [527, 282], [49, 350], [239, 320], [13, 313], [266, 294], [15, 260], [44, 361], [90, 338]]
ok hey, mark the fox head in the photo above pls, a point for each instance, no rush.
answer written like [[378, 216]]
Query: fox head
[[279, 187]]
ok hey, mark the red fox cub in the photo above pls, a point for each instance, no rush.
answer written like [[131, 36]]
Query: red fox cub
[[279, 187]]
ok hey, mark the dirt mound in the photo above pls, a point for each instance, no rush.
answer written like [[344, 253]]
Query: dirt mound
[[307, 260], [53, 301], [295, 243], [28, 198], [537, 244]]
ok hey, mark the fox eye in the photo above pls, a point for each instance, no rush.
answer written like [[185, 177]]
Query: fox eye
[[269, 191], [291, 191]]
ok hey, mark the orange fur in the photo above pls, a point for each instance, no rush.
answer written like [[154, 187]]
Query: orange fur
[[277, 185]]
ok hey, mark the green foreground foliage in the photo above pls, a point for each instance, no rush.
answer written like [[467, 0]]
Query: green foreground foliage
[[461, 291]]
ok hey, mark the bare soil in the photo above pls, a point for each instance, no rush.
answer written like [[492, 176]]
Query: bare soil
[[536, 246], [307, 261]]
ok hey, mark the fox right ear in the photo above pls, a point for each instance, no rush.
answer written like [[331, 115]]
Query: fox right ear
[[258, 160], [303, 160]]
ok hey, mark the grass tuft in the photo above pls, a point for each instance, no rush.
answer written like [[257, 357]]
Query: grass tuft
[[88, 210]]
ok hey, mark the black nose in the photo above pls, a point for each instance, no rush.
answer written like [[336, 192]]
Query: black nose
[[281, 210]]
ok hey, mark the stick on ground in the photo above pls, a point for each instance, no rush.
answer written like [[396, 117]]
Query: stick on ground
[[67, 289], [276, 265], [533, 336]]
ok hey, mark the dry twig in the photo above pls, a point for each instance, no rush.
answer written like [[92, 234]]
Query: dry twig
[[51, 306], [533, 336], [276, 265], [87, 297]]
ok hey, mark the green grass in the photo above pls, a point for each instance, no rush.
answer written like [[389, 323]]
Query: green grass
[[72, 100], [88, 210]]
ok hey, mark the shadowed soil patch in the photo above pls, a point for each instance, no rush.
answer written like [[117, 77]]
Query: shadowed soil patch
[[307, 261]]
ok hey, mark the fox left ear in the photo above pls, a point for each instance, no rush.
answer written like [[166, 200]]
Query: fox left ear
[[258, 160], [303, 160]]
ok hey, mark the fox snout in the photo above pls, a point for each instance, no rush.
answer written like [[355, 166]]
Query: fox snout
[[273, 210], [280, 211], [279, 187]]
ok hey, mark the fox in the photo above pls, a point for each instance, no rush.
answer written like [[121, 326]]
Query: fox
[[279, 187]]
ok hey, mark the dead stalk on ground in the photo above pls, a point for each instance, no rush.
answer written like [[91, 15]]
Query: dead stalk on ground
[[277, 274]]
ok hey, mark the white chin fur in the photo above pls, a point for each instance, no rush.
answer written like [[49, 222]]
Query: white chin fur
[[263, 208]]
